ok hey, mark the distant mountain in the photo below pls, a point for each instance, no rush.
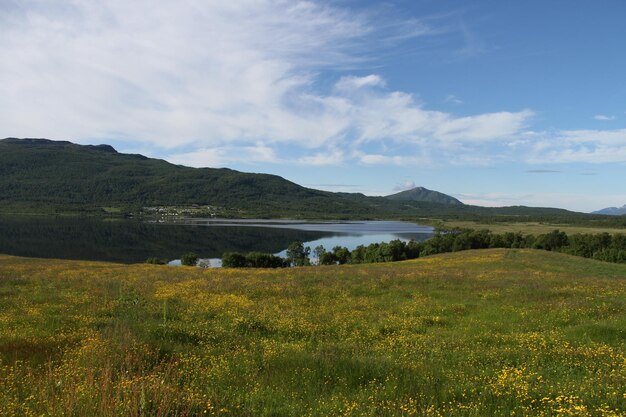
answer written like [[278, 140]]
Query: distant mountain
[[45, 176], [423, 194], [612, 211]]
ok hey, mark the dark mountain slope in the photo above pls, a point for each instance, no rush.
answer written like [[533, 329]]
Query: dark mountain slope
[[62, 173], [43, 176], [612, 211], [423, 194]]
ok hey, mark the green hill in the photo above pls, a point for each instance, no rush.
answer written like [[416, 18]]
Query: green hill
[[424, 194], [45, 176], [38, 173]]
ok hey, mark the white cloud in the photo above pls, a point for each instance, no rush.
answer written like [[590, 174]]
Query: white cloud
[[350, 83], [216, 77], [406, 185], [224, 155], [583, 146], [332, 157], [484, 127], [603, 117], [379, 159], [171, 73], [453, 99]]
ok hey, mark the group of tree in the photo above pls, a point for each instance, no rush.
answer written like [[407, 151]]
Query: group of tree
[[605, 247], [187, 259], [252, 260]]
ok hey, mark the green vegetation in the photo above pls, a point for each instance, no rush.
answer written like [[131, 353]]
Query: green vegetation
[[475, 333], [423, 194], [46, 177], [599, 246], [51, 177], [156, 261], [298, 254], [525, 227], [189, 259], [253, 260]]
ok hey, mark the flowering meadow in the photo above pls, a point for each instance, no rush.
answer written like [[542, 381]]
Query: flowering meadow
[[499, 332]]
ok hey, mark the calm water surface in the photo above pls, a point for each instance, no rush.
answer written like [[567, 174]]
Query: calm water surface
[[346, 233], [128, 241]]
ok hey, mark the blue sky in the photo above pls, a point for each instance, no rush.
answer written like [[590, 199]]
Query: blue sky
[[496, 103]]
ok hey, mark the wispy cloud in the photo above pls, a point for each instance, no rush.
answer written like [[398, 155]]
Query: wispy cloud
[[603, 118], [351, 83], [222, 156], [330, 157], [542, 171], [230, 80], [577, 146], [453, 99], [214, 83], [473, 45], [405, 185]]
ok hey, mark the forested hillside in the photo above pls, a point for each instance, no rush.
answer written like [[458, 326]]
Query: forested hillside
[[43, 176]]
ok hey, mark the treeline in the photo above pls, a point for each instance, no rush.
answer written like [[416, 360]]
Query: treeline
[[603, 247], [253, 260], [599, 246]]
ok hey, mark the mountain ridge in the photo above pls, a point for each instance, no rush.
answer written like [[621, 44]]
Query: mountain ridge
[[424, 194], [64, 174], [611, 211], [42, 176]]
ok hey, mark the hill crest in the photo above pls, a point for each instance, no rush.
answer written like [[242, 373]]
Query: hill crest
[[612, 211], [424, 194]]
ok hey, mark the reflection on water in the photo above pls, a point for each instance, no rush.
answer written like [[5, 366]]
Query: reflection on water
[[130, 241], [352, 241]]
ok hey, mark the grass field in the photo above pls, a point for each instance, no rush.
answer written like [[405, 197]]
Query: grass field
[[477, 333], [534, 228]]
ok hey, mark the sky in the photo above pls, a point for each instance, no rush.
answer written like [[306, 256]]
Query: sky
[[494, 102]]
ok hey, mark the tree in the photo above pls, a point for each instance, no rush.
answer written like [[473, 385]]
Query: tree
[[298, 255], [264, 260], [189, 259], [233, 260], [413, 249], [397, 250], [319, 253], [552, 241], [328, 258], [342, 254], [358, 255]]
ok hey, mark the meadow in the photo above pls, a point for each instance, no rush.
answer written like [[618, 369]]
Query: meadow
[[495, 332], [530, 227]]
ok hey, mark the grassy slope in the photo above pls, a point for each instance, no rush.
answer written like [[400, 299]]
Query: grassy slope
[[472, 333], [535, 228]]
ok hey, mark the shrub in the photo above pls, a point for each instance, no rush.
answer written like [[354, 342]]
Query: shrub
[[189, 259], [233, 260], [156, 261]]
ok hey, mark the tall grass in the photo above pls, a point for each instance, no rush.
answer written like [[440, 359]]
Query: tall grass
[[494, 332]]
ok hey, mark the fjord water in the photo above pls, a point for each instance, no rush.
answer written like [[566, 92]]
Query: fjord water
[[129, 241]]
